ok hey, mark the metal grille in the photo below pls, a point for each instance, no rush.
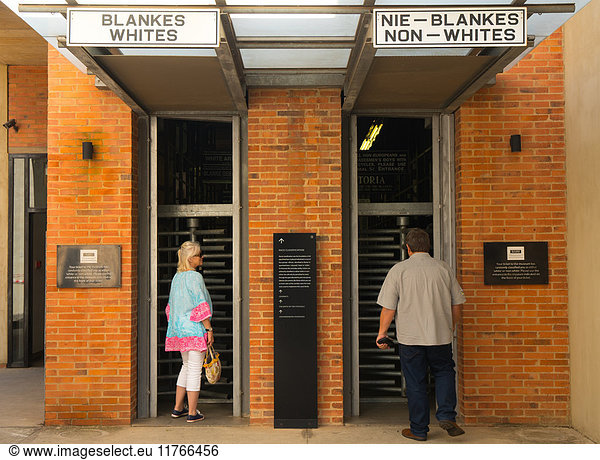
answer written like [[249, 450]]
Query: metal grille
[[380, 246], [215, 237]]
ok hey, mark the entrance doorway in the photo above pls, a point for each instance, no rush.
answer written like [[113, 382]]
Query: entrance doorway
[[196, 164], [399, 181], [27, 260]]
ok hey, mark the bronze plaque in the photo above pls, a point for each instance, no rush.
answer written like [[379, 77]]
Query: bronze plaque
[[88, 266]]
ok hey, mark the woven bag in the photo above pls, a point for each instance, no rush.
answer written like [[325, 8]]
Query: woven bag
[[212, 365]]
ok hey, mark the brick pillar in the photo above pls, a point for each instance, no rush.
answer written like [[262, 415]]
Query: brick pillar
[[91, 351], [295, 185], [514, 347]]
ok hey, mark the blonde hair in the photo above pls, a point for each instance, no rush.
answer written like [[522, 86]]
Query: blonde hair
[[186, 251]]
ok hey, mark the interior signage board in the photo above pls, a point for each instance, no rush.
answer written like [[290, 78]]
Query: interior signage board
[[449, 27], [295, 330], [88, 266], [143, 28], [515, 263]]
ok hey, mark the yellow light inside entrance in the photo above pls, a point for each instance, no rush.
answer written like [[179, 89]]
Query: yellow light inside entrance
[[371, 135]]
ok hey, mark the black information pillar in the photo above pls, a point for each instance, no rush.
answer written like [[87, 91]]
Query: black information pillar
[[295, 318]]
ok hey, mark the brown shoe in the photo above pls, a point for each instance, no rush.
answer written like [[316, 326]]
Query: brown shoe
[[409, 434], [451, 427]]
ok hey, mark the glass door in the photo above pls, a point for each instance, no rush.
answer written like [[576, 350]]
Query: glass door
[[27, 252], [196, 193], [394, 175]]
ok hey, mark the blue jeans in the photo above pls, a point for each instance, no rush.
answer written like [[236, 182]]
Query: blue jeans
[[414, 360]]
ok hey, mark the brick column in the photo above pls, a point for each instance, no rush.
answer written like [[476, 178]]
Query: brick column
[[91, 351], [295, 185], [514, 350]]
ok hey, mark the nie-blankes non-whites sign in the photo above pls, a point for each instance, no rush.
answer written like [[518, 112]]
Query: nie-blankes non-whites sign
[[135, 28], [453, 27]]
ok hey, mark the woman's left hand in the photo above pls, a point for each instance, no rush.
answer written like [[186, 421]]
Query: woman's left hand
[[211, 338]]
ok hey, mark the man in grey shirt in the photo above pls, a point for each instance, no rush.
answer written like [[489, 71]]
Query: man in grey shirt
[[422, 294]]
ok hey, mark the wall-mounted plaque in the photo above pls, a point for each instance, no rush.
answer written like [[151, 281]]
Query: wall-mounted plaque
[[515, 263], [88, 266], [295, 324]]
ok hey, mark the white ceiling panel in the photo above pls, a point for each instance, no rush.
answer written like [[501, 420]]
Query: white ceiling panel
[[295, 25], [295, 58], [293, 2]]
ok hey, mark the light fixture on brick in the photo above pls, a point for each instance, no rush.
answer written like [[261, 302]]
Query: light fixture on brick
[[515, 143], [12, 123], [87, 150]]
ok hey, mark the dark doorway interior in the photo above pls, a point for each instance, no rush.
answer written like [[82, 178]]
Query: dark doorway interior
[[395, 193], [27, 260], [194, 182]]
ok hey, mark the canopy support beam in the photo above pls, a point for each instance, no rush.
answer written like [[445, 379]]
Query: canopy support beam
[[93, 67], [505, 57], [231, 61], [360, 60]]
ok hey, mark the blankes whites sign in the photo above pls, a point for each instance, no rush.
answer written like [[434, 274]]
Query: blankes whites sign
[[453, 27], [133, 28]]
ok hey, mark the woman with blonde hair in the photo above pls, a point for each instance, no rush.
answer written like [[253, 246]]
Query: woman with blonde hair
[[189, 331]]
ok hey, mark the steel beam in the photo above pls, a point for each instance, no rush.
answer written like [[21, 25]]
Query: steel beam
[[295, 78], [360, 60], [231, 61], [105, 77], [395, 209], [272, 9], [479, 81], [213, 210]]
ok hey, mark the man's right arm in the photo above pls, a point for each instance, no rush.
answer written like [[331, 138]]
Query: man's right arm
[[385, 319], [456, 316]]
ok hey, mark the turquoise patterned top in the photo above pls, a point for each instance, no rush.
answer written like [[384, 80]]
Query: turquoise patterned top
[[189, 304]]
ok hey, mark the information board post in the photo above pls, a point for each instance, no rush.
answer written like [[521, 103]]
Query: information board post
[[295, 329]]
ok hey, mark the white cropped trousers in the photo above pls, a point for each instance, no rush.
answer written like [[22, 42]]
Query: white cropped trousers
[[191, 370]]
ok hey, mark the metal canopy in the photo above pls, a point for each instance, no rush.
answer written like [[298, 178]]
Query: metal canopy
[[286, 43]]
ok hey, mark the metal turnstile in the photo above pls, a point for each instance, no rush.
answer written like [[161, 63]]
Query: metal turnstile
[[379, 248], [215, 237]]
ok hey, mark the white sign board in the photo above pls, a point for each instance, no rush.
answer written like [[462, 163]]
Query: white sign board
[[452, 27], [515, 253], [135, 28], [88, 256]]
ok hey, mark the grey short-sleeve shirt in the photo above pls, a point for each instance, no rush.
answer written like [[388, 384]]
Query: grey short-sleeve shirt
[[422, 290]]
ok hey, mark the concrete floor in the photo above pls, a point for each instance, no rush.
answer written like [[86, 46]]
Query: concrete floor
[[21, 422]]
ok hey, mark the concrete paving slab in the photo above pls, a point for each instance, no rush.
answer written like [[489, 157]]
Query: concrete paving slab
[[22, 397], [349, 434], [21, 422]]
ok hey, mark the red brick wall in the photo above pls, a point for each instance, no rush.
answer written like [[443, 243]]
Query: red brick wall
[[294, 185], [28, 104], [514, 349], [90, 333]]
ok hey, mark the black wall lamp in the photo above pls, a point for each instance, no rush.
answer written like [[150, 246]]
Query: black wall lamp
[[12, 123], [88, 150], [515, 143]]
